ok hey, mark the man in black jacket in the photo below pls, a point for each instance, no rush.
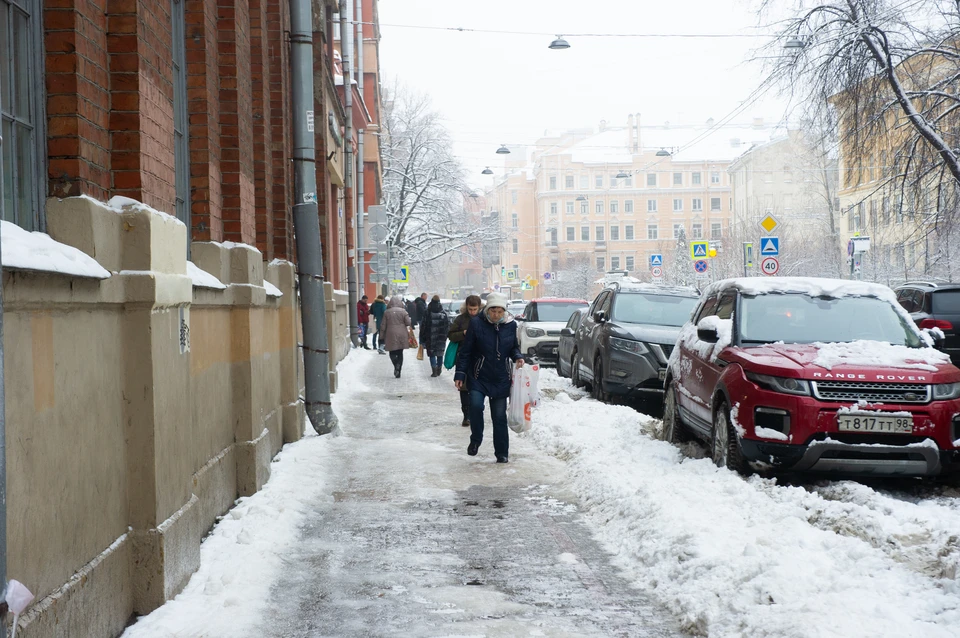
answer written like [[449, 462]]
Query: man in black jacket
[[420, 303]]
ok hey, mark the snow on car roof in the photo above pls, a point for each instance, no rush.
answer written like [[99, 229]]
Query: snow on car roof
[[812, 286], [560, 300]]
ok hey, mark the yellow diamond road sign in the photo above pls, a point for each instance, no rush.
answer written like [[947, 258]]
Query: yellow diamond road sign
[[769, 223]]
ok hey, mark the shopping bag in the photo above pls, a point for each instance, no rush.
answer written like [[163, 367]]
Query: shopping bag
[[450, 356], [420, 353], [413, 341], [524, 396]]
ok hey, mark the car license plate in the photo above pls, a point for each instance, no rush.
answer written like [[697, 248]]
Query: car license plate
[[662, 374], [882, 423]]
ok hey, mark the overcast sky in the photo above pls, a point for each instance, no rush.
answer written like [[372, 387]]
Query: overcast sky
[[494, 88]]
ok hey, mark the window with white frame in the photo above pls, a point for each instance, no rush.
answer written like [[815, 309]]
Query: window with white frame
[[651, 205], [678, 179], [651, 179], [614, 263], [598, 181], [628, 205], [714, 203], [553, 208], [696, 204], [569, 208], [598, 207], [696, 231], [514, 220], [677, 230], [714, 177], [598, 233], [613, 181], [583, 208], [552, 237], [677, 205], [553, 182], [614, 207], [600, 263], [615, 233], [514, 196], [571, 233], [628, 181], [584, 233], [628, 232], [629, 262], [22, 124], [653, 232], [516, 246], [584, 182], [695, 178], [568, 182], [716, 230]]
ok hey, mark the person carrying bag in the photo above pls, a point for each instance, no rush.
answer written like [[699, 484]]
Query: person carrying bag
[[458, 330], [397, 332]]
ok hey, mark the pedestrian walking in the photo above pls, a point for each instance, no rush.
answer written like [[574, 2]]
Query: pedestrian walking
[[363, 321], [397, 332], [433, 334], [420, 303], [411, 311], [486, 353], [377, 309], [458, 330]]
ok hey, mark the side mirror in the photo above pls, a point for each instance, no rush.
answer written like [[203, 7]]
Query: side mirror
[[566, 332], [600, 316], [708, 335], [936, 335]]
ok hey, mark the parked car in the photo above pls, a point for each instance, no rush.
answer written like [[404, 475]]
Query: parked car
[[934, 305], [542, 321], [568, 341], [516, 307], [626, 339], [816, 375]]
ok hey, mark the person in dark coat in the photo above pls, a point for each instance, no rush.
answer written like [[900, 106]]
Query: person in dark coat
[[363, 321], [486, 353], [458, 330], [433, 334], [420, 303], [377, 309], [411, 312]]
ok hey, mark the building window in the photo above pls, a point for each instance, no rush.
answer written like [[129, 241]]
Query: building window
[[614, 207], [598, 206], [553, 182], [695, 179], [630, 262], [696, 231], [714, 203], [554, 264], [584, 233], [583, 208], [21, 113], [614, 263], [677, 230], [571, 233], [553, 236], [677, 205], [628, 232], [598, 181], [600, 263], [598, 233], [651, 205], [569, 208], [181, 121], [584, 182], [885, 208], [614, 233], [716, 230], [678, 179], [788, 175], [568, 182], [613, 181], [628, 181], [715, 177], [628, 206], [514, 196], [553, 208], [652, 231], [767, 177], [651, 179], [516, 246], [850, 219], [514, 220], [696, 205]]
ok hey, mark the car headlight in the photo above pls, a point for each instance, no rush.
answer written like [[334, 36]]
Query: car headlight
[[535, 332], [785, 385], [944, 391], [628, 345]]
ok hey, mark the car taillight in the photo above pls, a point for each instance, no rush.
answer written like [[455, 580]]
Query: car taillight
[[936, 323]]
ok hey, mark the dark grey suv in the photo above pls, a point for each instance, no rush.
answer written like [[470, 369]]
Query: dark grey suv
[[933, 305], [626, 337]]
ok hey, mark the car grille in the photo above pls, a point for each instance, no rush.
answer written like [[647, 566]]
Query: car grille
[[667, 349], [871, 392]]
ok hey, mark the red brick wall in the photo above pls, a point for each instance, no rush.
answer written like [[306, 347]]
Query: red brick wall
[[280, 170], [261, 74]]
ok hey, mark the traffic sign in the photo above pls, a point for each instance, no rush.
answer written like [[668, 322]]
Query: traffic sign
[[404, 277], [770, 266], [748, 254], [860, 244], [769, 246], [511, 275], [656, 260], [657, 272], [546, 276], [769, 223], [657, 280], [700, 266], [377, 233], [699, 250]]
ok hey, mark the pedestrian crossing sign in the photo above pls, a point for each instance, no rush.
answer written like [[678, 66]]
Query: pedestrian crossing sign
[[404, 275], [656, 260], [699, 250]]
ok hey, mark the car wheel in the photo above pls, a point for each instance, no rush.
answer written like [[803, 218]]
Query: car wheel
[[598, 392], [725, 448], [575, 371], [672, 431]]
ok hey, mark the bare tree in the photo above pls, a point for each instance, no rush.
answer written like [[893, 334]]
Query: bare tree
[[423, 185], [577, 277]]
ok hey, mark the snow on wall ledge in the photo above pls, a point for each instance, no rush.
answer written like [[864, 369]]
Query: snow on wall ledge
[[23, 250], [203, 279]]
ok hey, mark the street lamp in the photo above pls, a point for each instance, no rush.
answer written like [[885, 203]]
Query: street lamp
[[663, 152], [581, 198], [794, 44], [486, 171], [559, 43], [503, 150], [623, 175]]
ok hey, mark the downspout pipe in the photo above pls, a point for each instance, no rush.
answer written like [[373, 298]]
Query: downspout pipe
[[3, 449], [306, 224], [346, 55], [361, 206]]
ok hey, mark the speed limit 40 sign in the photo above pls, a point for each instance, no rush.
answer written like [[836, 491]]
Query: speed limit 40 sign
[[770, 266]]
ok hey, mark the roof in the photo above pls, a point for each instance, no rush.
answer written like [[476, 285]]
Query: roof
[[659, 289], [812, 286], [560, 300], [928, 285]]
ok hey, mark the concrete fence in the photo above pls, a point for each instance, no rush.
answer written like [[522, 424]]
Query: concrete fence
[[139, 408]]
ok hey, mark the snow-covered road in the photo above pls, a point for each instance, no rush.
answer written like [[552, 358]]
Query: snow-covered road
[[594, 528]]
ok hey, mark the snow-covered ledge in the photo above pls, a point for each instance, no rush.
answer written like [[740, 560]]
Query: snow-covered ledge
[[23, 250]]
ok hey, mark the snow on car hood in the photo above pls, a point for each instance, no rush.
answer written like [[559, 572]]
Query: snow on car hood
[[544, 325]]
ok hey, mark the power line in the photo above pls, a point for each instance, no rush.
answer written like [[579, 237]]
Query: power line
[[569, 33]]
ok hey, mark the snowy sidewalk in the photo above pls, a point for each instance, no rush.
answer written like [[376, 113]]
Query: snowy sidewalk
[[395, 531]]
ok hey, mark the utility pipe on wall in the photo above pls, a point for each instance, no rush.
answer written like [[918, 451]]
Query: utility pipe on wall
[[346, 57], [361, 207]]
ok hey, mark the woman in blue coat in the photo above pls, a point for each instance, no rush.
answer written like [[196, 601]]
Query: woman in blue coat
[[486, 354]]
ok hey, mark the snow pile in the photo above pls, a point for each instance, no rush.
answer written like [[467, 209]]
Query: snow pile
[[119, 204], [203, 279], [23, 250], [878, 354], [736, 557], [272, 291]]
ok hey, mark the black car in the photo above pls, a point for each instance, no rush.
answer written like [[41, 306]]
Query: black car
[[933, 305], [568, 343], [625, 340]]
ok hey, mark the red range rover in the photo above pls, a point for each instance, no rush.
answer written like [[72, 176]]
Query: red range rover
[[815, 375]]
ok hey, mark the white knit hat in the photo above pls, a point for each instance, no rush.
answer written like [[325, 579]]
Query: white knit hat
[[496, 300]]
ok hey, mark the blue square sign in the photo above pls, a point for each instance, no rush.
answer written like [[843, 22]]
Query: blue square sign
[[656, 260], [770, 246]]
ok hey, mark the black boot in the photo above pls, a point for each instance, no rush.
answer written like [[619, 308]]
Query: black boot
[[396, 370], [439, 370]]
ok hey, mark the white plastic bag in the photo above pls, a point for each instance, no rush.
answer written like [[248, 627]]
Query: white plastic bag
[[524, 396]]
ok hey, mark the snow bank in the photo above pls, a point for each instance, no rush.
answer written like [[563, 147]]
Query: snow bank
[[203, 279], [23, 250]]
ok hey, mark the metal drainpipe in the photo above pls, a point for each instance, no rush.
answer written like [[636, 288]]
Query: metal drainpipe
[[3, 446], [346, 56], [306, 224], [361, 207]]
